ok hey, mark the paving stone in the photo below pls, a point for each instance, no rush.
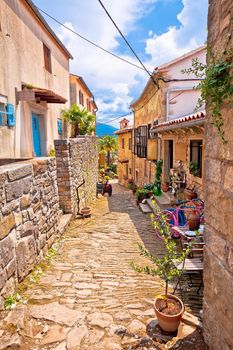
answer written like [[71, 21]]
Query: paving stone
[[56, 313], [95, 336], [86, 286], [136, 327], [76, 336], [11, 341], [55, 334], [100, 319], [61, 346]]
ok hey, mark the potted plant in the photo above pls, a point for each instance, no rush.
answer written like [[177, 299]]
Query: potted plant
[[168, 308], [165, 186], [157, 183], [190, 193], [141, 194], [149, 187], [132, 186], [194, 169]]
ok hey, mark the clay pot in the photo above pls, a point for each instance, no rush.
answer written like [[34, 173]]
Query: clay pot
[[165, 187], [169, 323], [189, 195], [194, 221], [86, 211]]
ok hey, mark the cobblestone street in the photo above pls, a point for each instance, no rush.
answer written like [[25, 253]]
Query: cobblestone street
[[90, 297]]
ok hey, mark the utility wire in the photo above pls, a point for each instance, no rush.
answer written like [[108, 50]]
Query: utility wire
[[111, 120], [128, 44], [89, 41]]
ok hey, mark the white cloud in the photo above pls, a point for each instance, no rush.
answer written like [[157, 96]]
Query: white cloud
[[177, 41], [112, 81]]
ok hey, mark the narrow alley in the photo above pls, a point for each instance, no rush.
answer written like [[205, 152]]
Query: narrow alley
[[90, 297]]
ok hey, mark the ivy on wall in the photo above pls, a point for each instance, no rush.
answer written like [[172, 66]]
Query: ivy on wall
[[216, 85]]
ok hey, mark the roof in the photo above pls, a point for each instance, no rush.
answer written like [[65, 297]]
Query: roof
[[124, 130], [85, 86], [186, 121], [47, 27], [45, 95], [180, 58], [159, 70]]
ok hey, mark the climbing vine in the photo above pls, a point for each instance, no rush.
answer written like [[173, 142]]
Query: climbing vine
[[216, 85]]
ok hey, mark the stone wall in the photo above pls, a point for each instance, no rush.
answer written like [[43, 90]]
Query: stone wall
[[218, 261], [77, 161], [29, 216]]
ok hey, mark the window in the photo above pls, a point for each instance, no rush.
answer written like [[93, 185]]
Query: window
[[59, 126], [145, 168], [127, 170], [81, 99], [140, 141], [130, 171], [195, 165], [123, 143], [47, 59], [3, 117], [130, 143]]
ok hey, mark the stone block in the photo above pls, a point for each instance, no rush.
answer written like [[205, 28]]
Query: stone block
[[2, 279], [10, 207], [27, 229], [7, 224], [18, 172], [6, 250], [228, 178], [11, 268], [25, 202], [16, 189], [26, 256]]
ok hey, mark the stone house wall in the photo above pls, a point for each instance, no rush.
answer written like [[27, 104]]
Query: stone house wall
[[218, 260], [29, 216], [77, 160]]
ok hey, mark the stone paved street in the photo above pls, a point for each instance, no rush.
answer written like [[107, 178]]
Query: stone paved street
[[90, 297]]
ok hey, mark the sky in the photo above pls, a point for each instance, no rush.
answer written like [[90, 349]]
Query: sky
[[158, 30]]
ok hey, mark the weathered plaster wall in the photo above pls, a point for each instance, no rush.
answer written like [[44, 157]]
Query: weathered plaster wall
[[218, 261], [22, 61], [123, 155], [29, 218], [77, 160]]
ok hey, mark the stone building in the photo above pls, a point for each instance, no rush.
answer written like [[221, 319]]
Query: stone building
[[81, 95], [125, 142], [218, 258], [34, 81], [165, 126]]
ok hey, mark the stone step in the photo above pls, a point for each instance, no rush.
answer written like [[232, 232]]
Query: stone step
[[145, 208], [64, 222]]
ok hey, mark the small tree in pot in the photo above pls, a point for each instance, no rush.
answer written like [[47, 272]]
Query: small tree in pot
[[168, 308]]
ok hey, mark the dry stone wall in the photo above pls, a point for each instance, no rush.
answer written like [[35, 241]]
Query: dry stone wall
[[29, 216], [218, 260], [77, 172]]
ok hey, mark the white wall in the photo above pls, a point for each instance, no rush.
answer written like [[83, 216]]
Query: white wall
[[22, 61]]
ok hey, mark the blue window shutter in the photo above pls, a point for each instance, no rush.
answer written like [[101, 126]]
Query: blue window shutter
[[10, 114], [59, 126], [0, 118]]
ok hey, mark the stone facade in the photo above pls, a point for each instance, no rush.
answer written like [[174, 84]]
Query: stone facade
[[218, 262], [29, 215], [125, 155], [77, 172]]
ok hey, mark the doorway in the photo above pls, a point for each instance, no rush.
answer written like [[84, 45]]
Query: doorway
[[36, 135], [168, 158]]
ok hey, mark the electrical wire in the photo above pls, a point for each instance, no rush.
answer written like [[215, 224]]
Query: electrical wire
[[111, 120], [128, 44], [89, 41]]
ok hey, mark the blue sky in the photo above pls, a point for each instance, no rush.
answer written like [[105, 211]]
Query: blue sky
[[158, 30]]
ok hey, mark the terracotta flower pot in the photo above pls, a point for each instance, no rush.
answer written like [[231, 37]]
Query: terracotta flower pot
[[194, 221], [189, 195], [169, 323], [86, 211], [165, 187]]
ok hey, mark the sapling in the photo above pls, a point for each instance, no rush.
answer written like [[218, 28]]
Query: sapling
[[166, 266]]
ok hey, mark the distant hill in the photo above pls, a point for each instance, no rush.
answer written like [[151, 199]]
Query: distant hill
[[104, 129]]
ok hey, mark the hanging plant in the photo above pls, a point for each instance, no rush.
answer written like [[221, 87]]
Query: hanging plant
[[216, 85]]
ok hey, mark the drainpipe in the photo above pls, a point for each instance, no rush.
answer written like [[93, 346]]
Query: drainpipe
[[184, 88]]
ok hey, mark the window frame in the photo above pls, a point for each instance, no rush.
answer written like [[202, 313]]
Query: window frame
[[123, 143], [199, 146], [47, 58], [140, 141]]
